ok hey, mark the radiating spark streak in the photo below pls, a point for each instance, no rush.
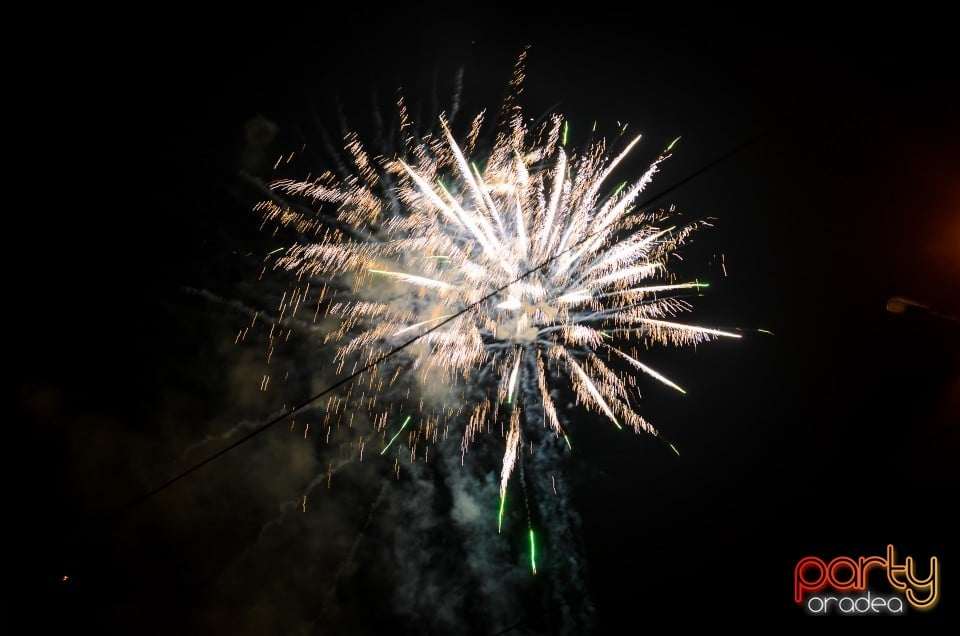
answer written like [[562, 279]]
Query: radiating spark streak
[[652, 289], [420, 324], [575, 297], [613, 164], [672, 143], [462, 164], [592, 389], [510, 455], [415, 280], [427, 190], [626, 254], [521, 229], [694, 328], [403, 426], [549, 227], [503, 502], [675, 450], [586, 295], [486, 198], [522, 175], [472, 223], [533, 553], [607, 216], [651, 372], [640, 271], [513, 376]]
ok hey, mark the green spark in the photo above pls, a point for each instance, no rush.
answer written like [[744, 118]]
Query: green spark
[[279, 249], [567, 440], [503, 501], [670, 147], [405, 422], [566, 128], [674, 449], [622, 186], [533, 553]]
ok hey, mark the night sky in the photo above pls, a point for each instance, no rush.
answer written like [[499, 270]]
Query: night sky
[[835, 436]]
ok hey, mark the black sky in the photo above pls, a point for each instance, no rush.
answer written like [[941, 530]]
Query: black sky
[[837, 435]]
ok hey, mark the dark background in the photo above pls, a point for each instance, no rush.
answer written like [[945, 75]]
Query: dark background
[[836, 436]]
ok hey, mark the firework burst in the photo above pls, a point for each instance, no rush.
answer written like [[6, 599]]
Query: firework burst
[[518, 267]]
